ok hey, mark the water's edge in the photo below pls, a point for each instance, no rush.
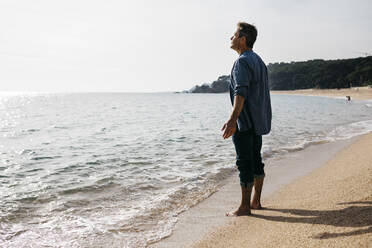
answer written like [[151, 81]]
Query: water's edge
[[204, 217]]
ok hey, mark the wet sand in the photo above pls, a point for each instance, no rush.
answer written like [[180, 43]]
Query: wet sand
[[317, 197], [356, 93]]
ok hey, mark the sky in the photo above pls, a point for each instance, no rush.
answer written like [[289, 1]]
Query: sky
[[164, 45]]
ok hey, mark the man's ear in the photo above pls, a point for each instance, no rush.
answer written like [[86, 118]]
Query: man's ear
[[244, 39]]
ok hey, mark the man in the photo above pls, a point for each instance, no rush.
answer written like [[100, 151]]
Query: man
[[251, 116]]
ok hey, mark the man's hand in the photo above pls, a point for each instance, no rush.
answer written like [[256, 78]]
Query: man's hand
[[229, 127]]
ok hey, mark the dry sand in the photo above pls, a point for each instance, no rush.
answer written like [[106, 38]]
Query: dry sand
[[329, 207], [357, 93]]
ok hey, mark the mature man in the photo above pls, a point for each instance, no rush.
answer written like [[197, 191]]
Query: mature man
[[251, 115]]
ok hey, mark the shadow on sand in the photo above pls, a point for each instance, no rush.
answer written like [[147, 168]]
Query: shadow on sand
[[359, 214]]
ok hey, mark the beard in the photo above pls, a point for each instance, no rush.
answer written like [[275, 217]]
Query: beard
[[233, 46]]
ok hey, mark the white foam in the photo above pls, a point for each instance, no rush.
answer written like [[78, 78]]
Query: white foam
[[339, 133], [350, 130]]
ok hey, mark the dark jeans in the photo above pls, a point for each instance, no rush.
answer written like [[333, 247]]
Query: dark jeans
[[248, 156]]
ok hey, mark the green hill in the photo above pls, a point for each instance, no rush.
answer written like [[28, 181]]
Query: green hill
[[318, 73]]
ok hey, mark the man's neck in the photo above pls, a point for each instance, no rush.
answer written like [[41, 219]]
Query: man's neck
[[241, 51]]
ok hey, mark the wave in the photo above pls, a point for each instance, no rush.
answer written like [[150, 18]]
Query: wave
[[339, 133], [94, 188], [350, 130], [158, 214], [45, 157]]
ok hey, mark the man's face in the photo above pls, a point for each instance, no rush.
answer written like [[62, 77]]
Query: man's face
[[236, 42]]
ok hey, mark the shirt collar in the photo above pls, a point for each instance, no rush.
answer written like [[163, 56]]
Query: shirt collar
[[248, 51]]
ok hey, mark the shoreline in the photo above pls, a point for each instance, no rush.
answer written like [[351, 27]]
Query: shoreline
[[207, 216], [356, 93], [329, 207]]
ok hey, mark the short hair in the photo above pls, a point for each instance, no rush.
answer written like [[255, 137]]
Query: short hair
[[249, 31]]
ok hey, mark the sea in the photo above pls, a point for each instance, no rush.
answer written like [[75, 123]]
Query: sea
[[116, 169]]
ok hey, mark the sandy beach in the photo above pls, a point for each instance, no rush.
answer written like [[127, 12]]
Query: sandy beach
[[330, 207], [357, 93], [317, 197], [325, 202]]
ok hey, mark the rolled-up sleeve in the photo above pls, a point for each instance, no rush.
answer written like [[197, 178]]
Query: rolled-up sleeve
[[242, 77]]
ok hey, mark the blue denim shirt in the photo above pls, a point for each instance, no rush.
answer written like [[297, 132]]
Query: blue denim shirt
[[249, 79]]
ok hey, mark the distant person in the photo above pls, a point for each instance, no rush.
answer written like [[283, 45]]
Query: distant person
[[348, 98], [250, 117]]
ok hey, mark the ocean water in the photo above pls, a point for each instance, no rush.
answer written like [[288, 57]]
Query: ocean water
[[115, 169]]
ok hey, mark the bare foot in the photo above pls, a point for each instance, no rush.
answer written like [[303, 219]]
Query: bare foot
[[242, 211], [256, 206]]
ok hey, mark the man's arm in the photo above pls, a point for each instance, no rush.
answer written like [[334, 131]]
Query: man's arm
[[242, 77], [230, 125]]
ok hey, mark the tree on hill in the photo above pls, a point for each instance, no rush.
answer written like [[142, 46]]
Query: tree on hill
[[318, 73]]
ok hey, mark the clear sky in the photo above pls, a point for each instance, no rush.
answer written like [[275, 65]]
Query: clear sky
[[164, 45]]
